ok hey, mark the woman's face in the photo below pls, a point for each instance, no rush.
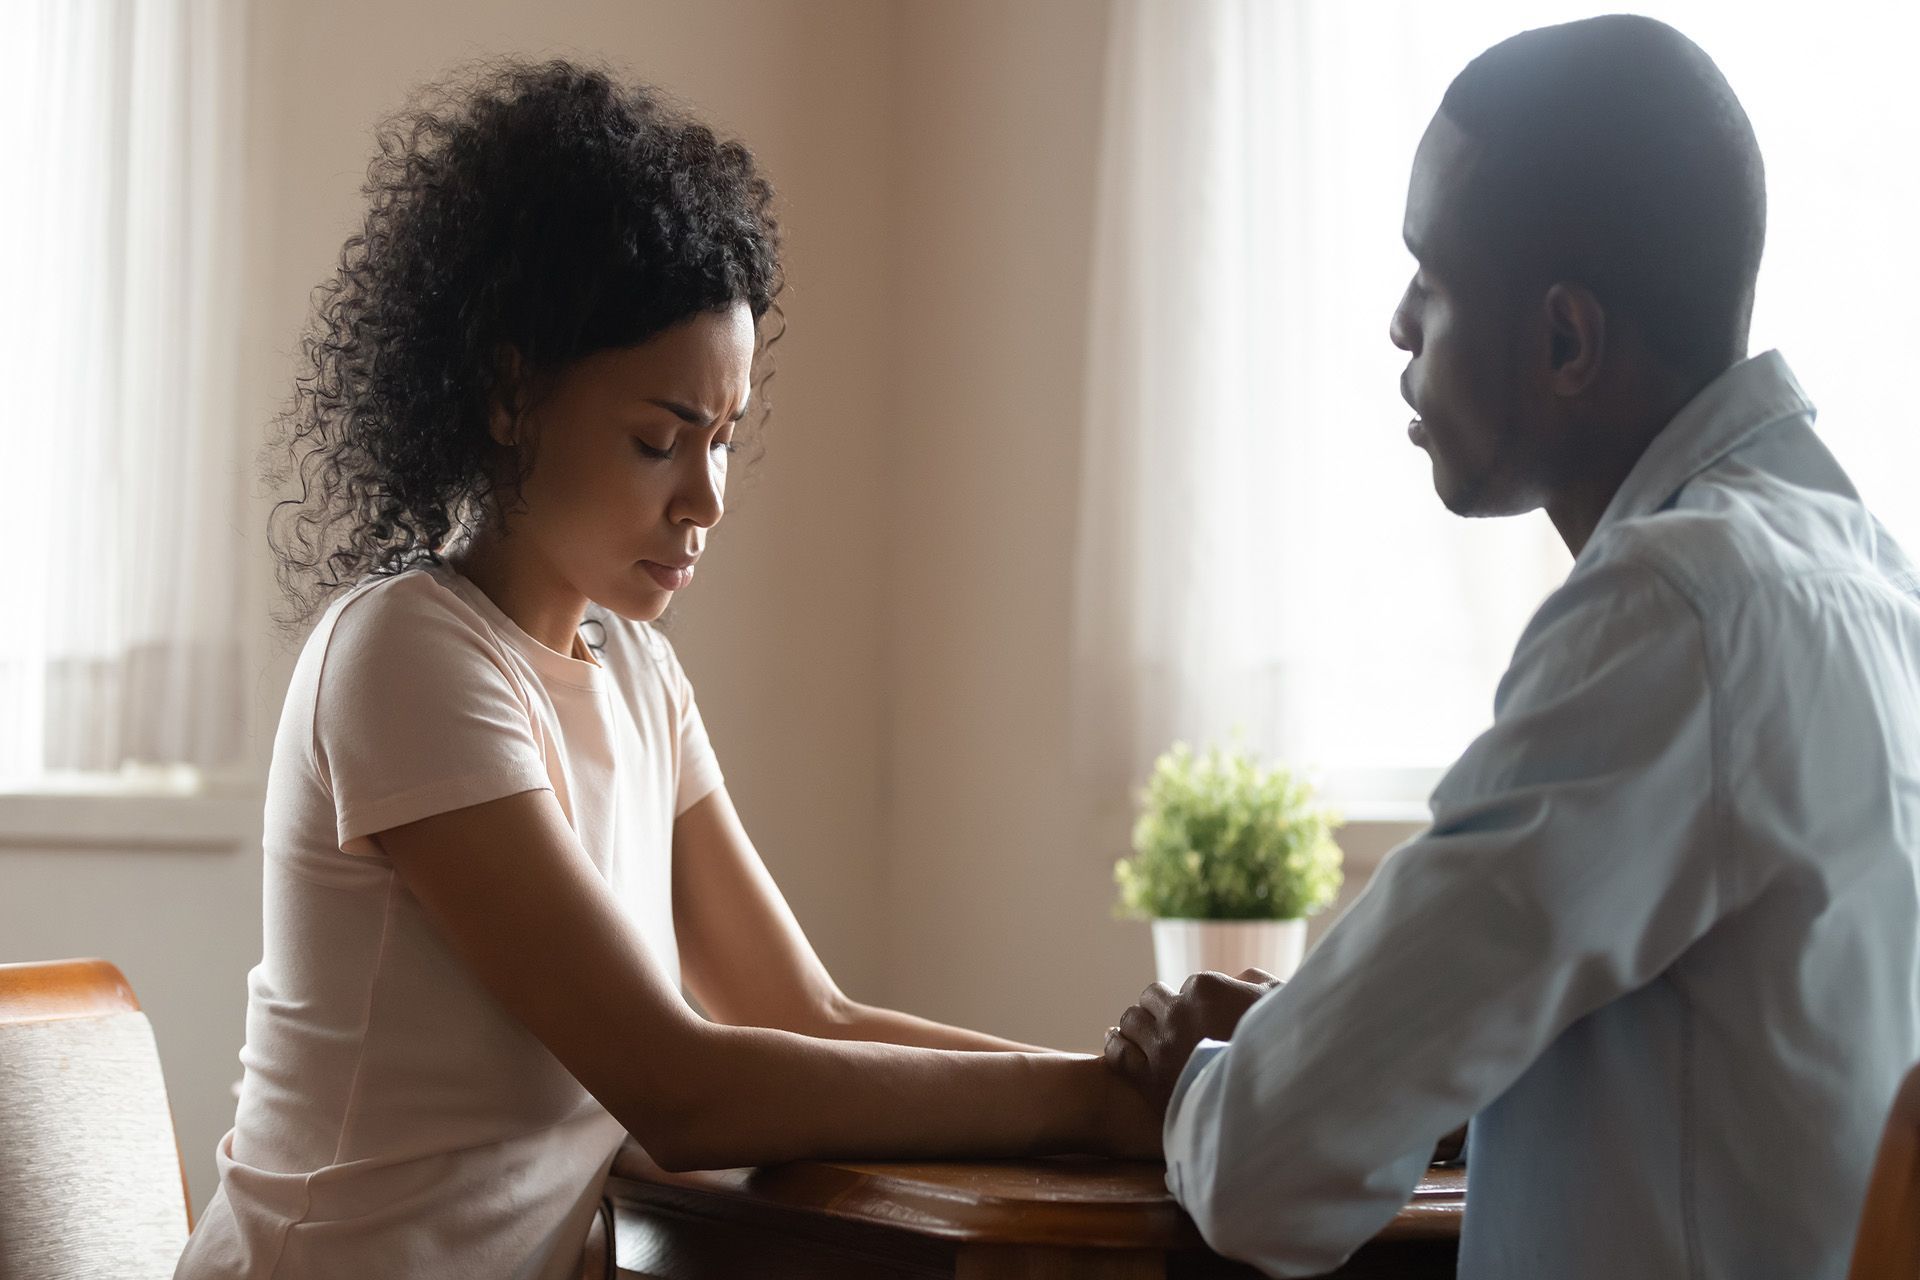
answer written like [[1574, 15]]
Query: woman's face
[[630, 450]]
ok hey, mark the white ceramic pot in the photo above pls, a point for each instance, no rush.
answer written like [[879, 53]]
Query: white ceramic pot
[[1182, 948]]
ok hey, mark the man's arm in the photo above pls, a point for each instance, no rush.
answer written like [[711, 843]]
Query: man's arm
[[1571, 860]]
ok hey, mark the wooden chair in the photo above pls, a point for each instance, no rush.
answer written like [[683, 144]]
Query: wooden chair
[[1888, 1246], [91, 1182]]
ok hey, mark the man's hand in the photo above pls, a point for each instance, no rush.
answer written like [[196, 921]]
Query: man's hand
[[1155, 1037]]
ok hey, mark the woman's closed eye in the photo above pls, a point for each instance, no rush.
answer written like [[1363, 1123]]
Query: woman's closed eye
[[666, 455]]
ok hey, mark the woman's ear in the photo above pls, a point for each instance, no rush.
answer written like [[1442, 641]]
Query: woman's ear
[[504, 405]]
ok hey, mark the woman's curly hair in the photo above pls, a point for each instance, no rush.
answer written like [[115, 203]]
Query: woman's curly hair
[[544, 208]]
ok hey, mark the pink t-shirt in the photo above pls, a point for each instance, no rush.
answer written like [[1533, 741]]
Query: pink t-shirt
[[394, 1120]]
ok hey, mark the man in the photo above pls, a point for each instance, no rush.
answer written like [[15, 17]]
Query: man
[[1662, 939]]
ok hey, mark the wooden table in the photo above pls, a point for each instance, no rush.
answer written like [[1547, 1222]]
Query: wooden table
[[1022, 1220]]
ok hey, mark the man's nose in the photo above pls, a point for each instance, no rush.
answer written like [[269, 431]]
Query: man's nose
[[1401, 330]]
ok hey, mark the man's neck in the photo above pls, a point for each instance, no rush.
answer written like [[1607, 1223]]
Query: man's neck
[[1576, 513], [1617, 439]]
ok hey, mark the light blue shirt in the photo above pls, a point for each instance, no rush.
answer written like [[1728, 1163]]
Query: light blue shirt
[[1662, 939]]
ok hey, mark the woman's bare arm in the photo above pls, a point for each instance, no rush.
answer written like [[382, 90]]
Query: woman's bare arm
[[746, 959], [516, 898]]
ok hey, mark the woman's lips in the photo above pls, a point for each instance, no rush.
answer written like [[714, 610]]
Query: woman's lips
[[1417, 432], [670, 577]]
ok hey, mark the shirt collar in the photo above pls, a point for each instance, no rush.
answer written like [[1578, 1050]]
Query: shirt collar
[[1749, 397]]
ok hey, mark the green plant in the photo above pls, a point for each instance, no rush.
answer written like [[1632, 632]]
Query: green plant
[[1221, 838]]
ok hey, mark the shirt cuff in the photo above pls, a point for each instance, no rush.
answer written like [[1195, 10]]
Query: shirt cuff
[[1203, 1054]]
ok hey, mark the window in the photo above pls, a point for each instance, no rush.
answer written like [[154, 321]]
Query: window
[[1261, 549], [120, 648]]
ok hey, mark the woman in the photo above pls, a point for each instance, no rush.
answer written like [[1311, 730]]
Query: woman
[[497, 840]]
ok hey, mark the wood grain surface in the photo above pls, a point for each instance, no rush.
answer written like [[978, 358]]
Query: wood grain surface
[[1016, 1218]]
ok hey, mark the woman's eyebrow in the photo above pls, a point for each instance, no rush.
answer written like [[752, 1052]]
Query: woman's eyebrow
[[694, 417]]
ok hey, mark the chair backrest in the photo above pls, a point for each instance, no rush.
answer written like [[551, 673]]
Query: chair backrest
[[91, 1182], [1888, 1246]]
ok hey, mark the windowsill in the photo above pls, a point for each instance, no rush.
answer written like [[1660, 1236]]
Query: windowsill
[[1383, 813], [130, 813], [1378, 796]]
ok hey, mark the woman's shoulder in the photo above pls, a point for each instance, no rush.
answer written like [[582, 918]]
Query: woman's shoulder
[[395, 598], [406, 613], [388, 648]]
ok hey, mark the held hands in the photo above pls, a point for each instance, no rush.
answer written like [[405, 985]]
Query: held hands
[[1156, 1036]]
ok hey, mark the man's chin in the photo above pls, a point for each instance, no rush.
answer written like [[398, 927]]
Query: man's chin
[[1481, 500], [1453, 495], [1464, 496]]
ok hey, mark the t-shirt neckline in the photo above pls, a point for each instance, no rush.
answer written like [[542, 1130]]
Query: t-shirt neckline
[[550, 663]]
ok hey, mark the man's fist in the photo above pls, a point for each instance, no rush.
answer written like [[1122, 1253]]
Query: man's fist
[[1155, 1037]]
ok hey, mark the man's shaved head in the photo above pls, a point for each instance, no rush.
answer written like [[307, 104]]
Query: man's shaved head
[[1611, 152]]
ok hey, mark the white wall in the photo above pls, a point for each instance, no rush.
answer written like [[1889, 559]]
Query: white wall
[[999, 882]]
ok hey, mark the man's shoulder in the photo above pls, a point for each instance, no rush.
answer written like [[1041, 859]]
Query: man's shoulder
[[1757, 569], [1610, 605], [1740, 531], [1667, 582]]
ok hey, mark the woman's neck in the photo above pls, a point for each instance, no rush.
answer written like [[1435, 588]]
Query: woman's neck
[[524, 588]]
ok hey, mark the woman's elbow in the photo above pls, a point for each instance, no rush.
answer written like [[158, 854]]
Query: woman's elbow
[[713, 1141], [677, 1139], [674, 1152], [671, 1115]]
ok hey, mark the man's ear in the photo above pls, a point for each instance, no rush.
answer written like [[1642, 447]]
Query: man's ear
[[1576, 338], [503, 407]]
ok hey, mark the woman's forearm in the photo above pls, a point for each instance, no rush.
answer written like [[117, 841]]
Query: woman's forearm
[[758, 1096], [851, 1020]]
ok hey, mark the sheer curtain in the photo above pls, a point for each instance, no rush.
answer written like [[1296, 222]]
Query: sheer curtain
[[1260, 549], [121, 641]]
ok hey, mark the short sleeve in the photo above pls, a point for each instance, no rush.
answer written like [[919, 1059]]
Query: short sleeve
[[415, 714], [699, 769]]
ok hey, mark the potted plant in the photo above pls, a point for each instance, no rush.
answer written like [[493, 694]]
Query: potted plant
[[1229, 858]]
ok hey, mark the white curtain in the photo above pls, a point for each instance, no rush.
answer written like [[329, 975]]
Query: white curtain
[[122, 524], [1260, 549]]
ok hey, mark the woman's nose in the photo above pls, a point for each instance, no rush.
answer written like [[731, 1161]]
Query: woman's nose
[[701, 501]]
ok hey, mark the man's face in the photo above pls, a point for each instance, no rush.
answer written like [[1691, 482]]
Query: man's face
[[1459, 324]]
